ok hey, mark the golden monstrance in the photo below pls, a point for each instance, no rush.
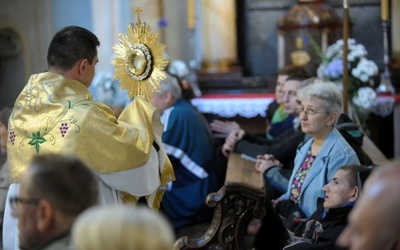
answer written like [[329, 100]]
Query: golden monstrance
[[139, 63]]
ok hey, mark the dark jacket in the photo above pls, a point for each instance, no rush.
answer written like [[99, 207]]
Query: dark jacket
[[320, 231], [283, 147]]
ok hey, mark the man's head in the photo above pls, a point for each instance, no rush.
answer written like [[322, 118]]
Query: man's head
[[344, 187], [283, 74], [373, 223], [170, 92], [289, 92], [53, 191], [73, 53]]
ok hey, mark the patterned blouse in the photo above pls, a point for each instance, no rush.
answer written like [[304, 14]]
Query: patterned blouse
[[299, 178]]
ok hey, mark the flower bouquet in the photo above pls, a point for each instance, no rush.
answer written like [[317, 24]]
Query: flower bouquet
[[361, 71]]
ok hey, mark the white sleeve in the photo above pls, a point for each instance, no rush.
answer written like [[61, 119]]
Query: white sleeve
[[10, 229], [127, 180]]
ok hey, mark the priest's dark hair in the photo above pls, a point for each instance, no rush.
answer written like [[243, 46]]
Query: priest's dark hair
[[71, 44]]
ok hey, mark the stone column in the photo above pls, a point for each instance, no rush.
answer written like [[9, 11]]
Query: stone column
[[218, 35], [107, 24]]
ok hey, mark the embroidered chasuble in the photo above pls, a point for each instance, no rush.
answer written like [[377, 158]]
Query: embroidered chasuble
[[54, 114]]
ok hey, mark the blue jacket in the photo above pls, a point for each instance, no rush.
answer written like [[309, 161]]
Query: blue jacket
[[189, 148], [335, 152]]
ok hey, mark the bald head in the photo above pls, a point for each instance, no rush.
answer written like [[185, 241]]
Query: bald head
[[374, 223]]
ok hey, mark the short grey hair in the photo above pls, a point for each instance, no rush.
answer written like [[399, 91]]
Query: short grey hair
[[171, 84], [326, 91]]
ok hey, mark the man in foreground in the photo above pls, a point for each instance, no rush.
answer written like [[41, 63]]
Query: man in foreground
[[53, 191]]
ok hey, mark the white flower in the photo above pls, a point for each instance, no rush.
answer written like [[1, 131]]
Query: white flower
[[364, 77], [356, 72], [365, 98], [365, 70]]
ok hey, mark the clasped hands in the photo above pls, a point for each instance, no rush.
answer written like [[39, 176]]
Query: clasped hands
[[265, 162]]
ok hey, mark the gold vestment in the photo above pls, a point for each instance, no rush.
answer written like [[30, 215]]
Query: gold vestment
[[54, 114]]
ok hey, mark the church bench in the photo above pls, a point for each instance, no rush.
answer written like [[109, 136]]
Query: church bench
[[240, 199]]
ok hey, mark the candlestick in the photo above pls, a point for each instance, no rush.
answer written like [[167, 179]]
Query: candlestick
[[385, 10], [192, 78], [345, 52], [385, 86], [190, 13]]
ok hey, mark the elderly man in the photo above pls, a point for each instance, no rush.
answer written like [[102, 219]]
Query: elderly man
[[188, 144], [373, 223], [53, 191]]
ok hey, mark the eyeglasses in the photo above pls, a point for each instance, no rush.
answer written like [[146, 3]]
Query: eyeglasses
[[14, 201], [307, 112]]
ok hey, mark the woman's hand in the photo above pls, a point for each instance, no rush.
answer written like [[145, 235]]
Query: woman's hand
[[265, 162]]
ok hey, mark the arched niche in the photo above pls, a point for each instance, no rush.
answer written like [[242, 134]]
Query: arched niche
[[14, 64]]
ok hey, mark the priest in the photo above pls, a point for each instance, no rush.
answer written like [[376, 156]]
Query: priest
[[55, 113]]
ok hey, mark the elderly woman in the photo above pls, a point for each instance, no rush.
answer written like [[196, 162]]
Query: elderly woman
[[316, 162]]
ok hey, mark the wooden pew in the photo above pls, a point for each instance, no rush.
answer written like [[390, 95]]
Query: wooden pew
[[369, 148], [240, 199], [373, 152]]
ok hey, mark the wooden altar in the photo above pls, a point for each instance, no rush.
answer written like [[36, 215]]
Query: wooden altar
[[240, 199]]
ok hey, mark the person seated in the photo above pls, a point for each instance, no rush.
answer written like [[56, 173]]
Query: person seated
[[188, 146], [373, 223], [284, 145], [319, 158], [277, 175], [178, 69], [322, 228], [275, 113], [121, 227], [53, 191]]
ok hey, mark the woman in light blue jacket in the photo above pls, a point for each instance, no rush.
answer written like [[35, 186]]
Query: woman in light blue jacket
[[316, 162]]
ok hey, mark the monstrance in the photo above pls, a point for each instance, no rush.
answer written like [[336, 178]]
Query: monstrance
[[139, 63]]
